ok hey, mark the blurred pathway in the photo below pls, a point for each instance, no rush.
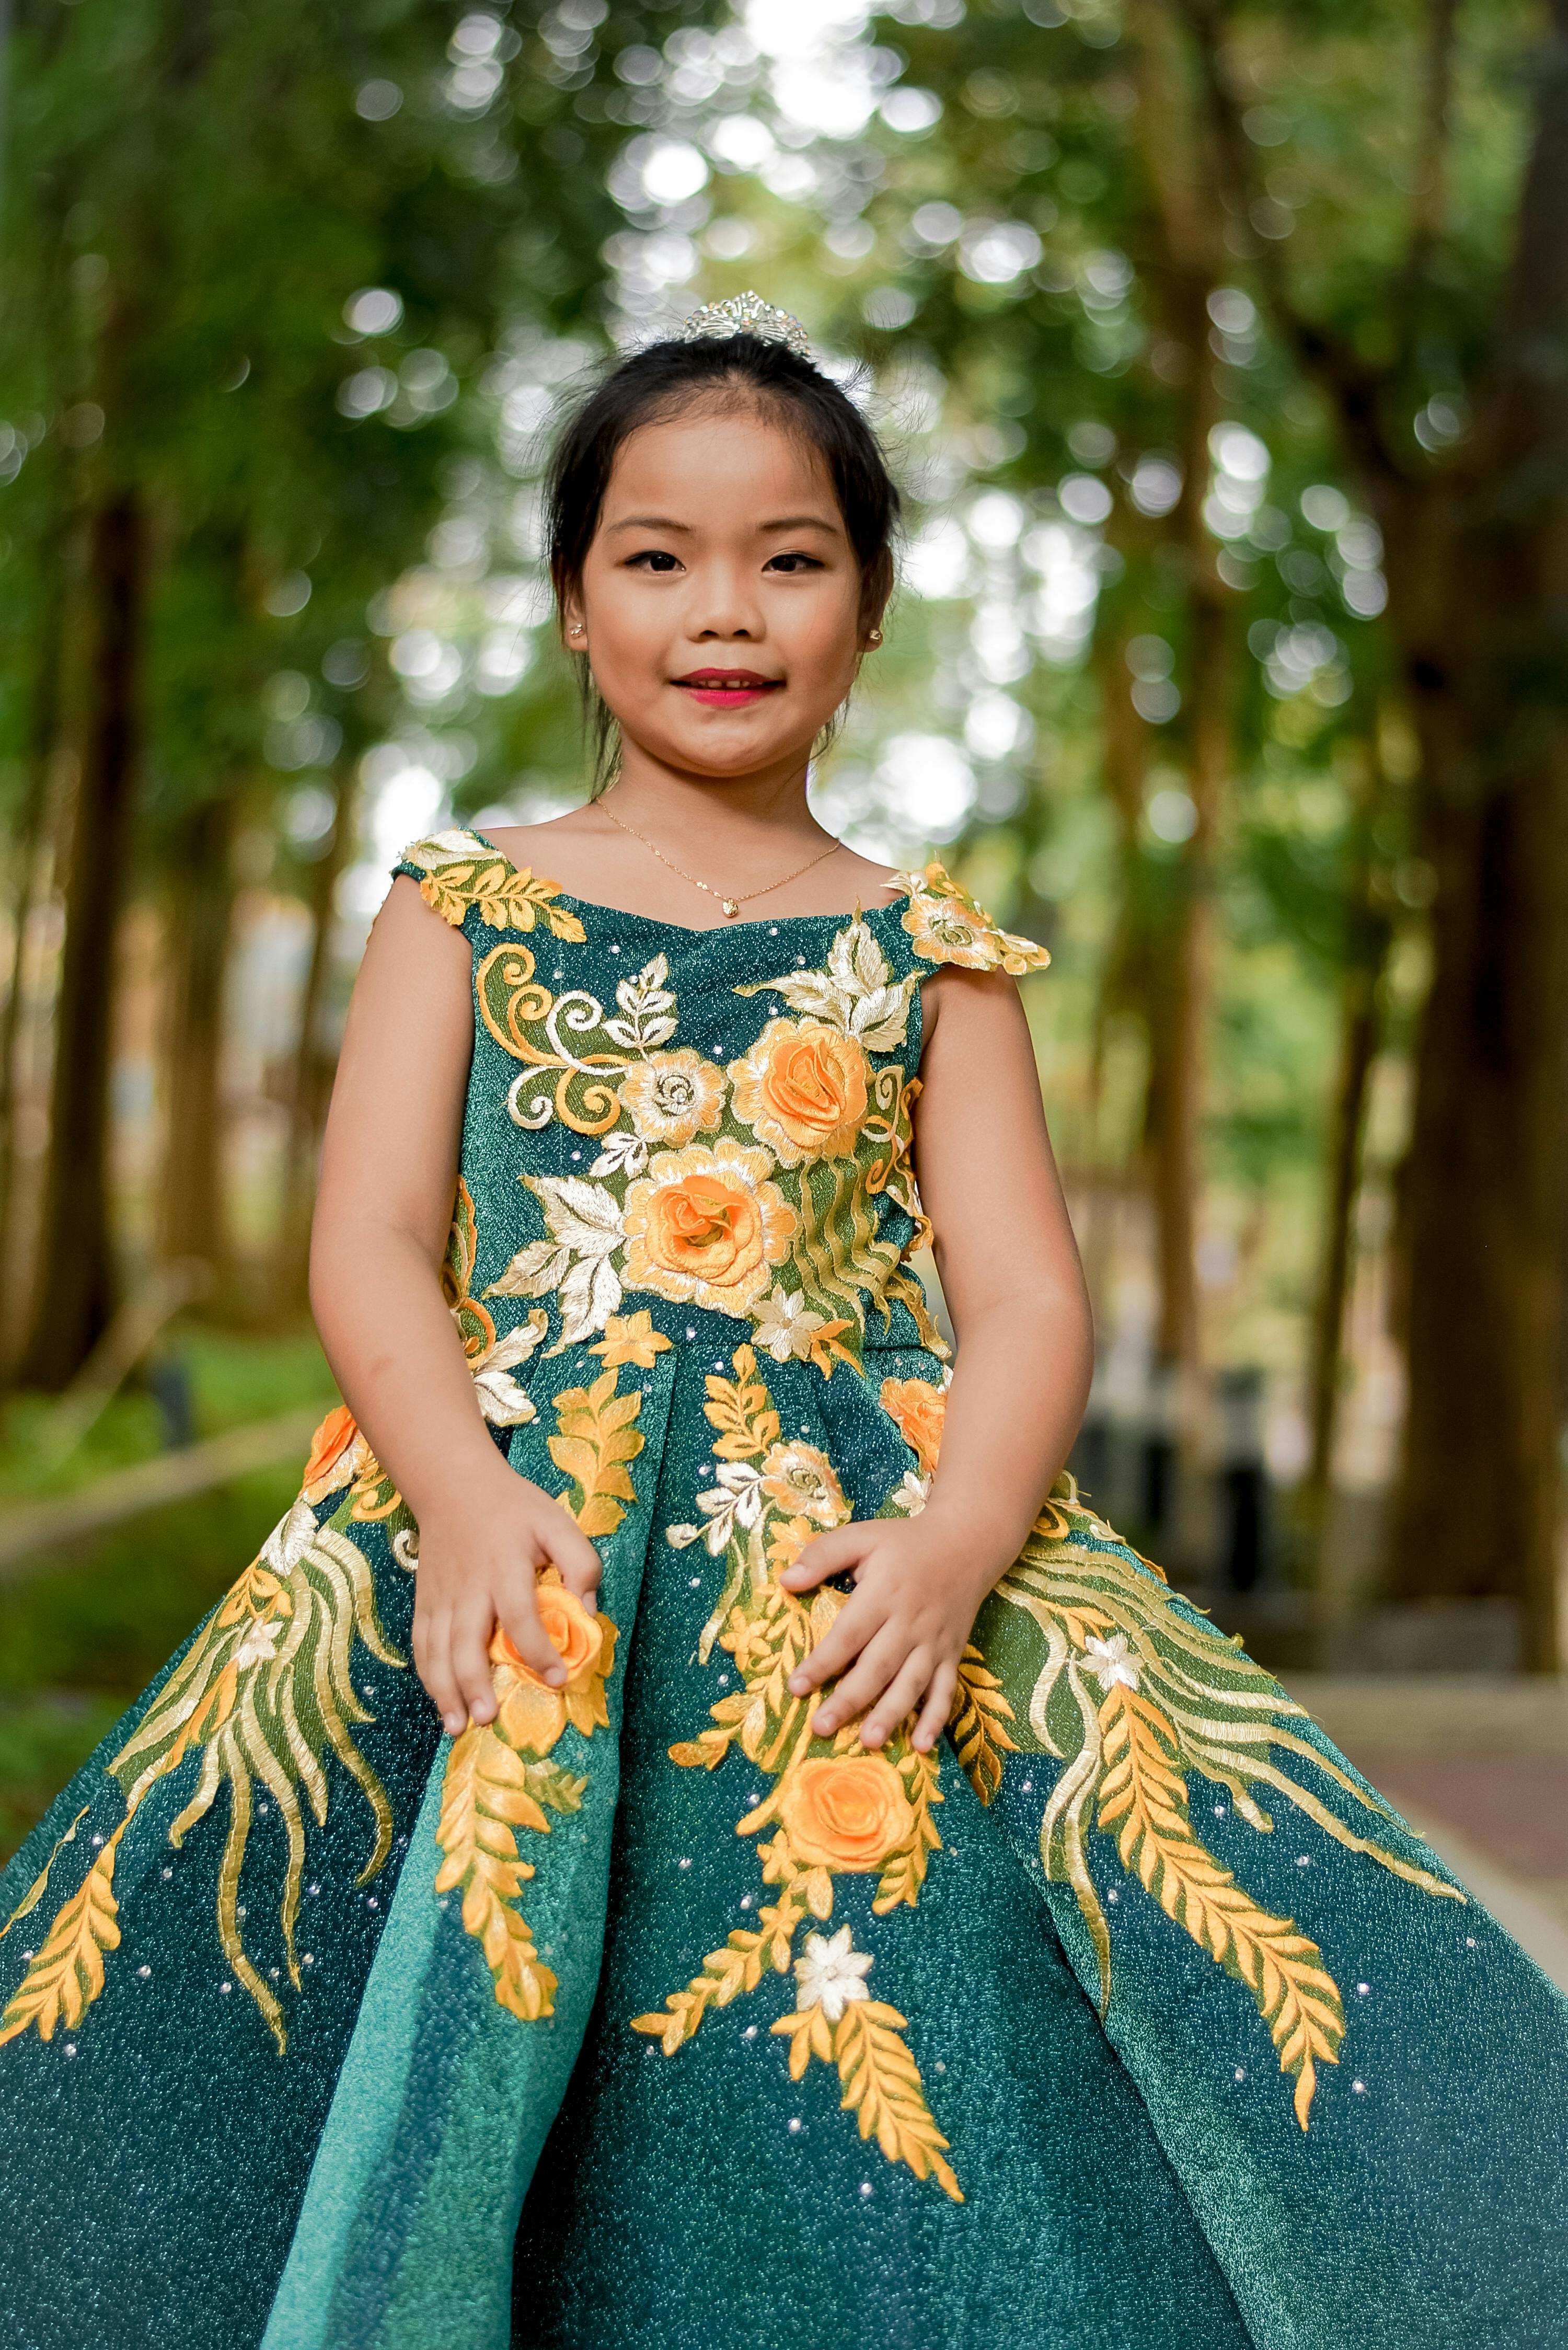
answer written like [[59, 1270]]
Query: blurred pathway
[[1478, 1765]]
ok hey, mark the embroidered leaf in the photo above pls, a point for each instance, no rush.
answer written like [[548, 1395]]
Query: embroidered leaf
[[905, 1872], [67, 1975], [1143, 1803], [594, 1440], [856, 995], [742, 1409], [461, 871], [738, 1967], [41, 1885], [977, 1724], [502, 1401], [584, 1221], [882, 2084], [485, 1797]]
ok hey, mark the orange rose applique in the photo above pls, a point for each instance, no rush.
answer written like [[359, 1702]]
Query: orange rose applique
[[847, 1812], [671, 1097], [533, 1714], [918, 1409], [802, 1091], [704, 1226]]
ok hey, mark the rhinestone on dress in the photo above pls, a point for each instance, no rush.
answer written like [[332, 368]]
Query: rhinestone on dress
[[745, 314]]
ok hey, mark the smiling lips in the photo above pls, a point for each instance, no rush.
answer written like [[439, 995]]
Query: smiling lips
[[727, 689]]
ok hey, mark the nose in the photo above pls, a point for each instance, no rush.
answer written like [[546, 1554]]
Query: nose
[[722, 605]]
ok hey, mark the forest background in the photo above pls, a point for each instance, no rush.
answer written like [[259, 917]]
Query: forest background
[[1222, 348]]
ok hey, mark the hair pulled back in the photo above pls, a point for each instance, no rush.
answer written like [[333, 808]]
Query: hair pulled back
[[660, 382]]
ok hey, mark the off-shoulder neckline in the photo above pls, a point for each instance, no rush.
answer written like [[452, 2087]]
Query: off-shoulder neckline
[[894, 902]]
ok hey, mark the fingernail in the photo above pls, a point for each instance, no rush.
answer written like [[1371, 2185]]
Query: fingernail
[[453, 1723], [557, 1674]]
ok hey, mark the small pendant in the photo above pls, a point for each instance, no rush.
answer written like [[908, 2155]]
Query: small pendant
[[731, 908]]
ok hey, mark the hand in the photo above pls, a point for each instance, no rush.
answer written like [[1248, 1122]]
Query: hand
[[899, 1639], [479, 1560]]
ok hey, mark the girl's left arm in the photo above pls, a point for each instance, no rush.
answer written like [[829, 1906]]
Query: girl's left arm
[[1014, 1287]]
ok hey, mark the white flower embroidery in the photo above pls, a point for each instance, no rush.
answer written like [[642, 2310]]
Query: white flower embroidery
[[1109, 1662], [856, 995], [260, 1643], [787, 1325], [501, 1400], [911, 1495], [576, 1261], [832, 1973]]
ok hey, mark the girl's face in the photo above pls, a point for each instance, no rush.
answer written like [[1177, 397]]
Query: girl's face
[[720, 601]]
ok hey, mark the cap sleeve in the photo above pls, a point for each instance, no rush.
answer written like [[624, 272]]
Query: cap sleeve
[[947, 926], [461, 873]]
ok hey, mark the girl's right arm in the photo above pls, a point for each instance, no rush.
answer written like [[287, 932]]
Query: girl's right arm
[[389, 1177]]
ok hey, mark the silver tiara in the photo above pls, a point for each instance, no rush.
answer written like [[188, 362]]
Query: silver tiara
[[745, 314]]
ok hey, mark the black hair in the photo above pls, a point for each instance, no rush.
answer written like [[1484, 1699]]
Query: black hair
[[659, 382]]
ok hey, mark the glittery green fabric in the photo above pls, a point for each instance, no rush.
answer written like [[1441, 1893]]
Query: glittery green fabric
[[647, 2014]]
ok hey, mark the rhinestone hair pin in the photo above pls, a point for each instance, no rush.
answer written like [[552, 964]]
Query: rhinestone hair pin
[[745, 314]]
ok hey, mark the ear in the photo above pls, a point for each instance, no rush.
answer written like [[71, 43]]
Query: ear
[[573, 622], [876, 594]]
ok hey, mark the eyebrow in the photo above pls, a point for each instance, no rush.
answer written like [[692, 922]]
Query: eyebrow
[[667, 521]]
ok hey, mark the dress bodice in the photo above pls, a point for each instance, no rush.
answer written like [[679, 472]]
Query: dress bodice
[[663, 1120]]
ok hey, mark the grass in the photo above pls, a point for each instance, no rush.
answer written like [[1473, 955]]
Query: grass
[[84, 1629]]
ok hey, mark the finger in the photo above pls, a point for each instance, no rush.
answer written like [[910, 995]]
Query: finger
[[826, 1555], [934, 1714], [899, 1699], [569, 1549], [471, 1633], [520, 1620], [855, 1622], [859, 1690], [435, 1671]]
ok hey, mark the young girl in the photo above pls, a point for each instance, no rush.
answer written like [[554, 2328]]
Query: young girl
[[676, 1839]]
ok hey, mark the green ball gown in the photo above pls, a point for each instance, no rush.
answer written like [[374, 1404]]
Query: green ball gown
[[1130, 2016]]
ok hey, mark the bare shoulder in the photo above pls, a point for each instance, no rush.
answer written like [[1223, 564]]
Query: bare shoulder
[[870, 882]]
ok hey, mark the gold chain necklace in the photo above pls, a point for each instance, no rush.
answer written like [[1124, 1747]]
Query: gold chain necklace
[[733, 904]]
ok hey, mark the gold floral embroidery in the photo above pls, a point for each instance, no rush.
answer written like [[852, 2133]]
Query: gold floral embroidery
[[947, 926], [802, 1089], [1133, 1694], [499, 1777], [833, 1809], [461, 870], [631, 1339]]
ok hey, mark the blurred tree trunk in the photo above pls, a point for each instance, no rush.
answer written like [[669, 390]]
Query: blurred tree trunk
[[311, 1083], [191, 1220], [27, 866], [75, 1274], [1368, 932], [1185, 263], [1477, 570]]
